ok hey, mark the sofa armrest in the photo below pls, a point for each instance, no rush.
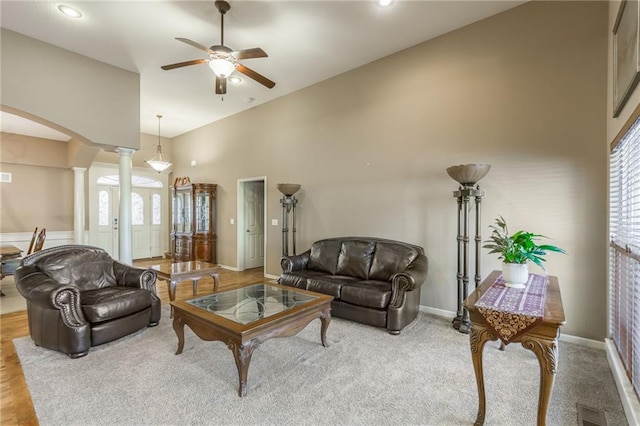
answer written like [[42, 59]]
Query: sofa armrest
[[40, 289], [295, 263], [408, 280], [131, 276]]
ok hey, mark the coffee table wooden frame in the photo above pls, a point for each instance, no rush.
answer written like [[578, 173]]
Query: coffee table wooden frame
[[243, 339]]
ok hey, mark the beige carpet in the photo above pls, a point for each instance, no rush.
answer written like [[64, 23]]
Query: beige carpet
[[12, 301], [365, 377]]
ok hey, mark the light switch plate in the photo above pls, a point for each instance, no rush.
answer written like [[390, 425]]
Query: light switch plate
[[274, 222], [232, 221]]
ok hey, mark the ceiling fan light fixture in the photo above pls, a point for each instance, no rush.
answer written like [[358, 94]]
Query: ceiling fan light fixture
[[158, 162], [384, 3], [235, 79], [222, 67], [69, 11]]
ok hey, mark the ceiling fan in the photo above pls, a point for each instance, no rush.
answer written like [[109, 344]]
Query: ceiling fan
[[222, 60]]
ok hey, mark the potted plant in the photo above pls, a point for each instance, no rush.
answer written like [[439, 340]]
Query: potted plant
[[516, 251]]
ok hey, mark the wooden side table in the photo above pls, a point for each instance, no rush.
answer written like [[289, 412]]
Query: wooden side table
[[542, 340]]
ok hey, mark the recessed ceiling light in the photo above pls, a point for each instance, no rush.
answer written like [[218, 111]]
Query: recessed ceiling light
[[384, 3], [235, 79], [70, 11]]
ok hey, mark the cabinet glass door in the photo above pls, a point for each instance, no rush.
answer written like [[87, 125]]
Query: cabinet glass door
[[178, 202], [202, 212], [187, 212]]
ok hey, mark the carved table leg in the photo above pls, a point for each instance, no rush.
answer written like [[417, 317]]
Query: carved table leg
[[172, 293], [325, 317], [178, 327], [479, 336], [547, 353], [242, 355], [216, 280]]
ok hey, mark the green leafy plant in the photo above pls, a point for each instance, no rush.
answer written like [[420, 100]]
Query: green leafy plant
[[520, 247]]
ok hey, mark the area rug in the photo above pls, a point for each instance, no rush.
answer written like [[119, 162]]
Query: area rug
[[366, 376]]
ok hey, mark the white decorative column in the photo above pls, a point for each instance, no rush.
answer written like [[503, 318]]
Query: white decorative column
[[125, 227], [78, 204]]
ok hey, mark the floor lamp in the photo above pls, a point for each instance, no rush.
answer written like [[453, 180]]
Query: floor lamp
[[288, 202], [467, 175]]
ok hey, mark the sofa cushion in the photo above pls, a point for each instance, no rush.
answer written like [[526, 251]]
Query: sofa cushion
[[389, 259], [328, 284], [355, 259], [103, 304], [324, 256], [369, 293], [298, 279]]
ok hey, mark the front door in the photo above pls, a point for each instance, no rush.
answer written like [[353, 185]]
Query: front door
[[146, 223], [104, 214], [148, 213]]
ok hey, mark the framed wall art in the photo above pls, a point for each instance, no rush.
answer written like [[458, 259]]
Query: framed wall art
[[626, 53]]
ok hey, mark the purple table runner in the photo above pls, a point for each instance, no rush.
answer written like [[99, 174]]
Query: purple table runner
[[512, 311]]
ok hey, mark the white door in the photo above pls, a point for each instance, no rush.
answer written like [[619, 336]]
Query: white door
[[254, 224], [156, 227], [105, 215], [146, 219]]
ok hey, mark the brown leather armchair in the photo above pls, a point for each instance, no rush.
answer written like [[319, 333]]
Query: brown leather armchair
[[79, 297]]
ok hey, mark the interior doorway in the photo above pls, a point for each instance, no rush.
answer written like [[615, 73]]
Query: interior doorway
[[252, 217]]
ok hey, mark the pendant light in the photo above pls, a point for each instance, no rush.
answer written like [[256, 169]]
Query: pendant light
[[158, 162]]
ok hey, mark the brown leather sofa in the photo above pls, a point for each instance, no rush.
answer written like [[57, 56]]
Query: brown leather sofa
[[373, 281], [79, 297]]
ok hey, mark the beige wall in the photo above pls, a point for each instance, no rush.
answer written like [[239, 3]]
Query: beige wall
[[37, 196], [42, 177], [524, 91], [87, 99]]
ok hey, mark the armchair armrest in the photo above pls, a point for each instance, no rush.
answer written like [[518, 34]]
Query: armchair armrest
[[131, 276], [40, 289], [295, 263], [408, 280]]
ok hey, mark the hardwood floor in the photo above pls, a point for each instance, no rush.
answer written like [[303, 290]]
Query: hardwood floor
[[16, 407]]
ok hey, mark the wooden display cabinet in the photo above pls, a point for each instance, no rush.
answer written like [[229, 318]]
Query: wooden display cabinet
[[193, 236]]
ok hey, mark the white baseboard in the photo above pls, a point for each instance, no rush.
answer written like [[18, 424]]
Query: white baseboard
[[273, 277], [230, 268], [628, 397], [595, 344]]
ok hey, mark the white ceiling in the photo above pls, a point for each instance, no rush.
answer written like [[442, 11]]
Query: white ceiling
[[307, 42]]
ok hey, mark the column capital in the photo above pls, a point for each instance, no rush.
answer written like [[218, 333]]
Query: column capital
[[125, 152], [79, 169]]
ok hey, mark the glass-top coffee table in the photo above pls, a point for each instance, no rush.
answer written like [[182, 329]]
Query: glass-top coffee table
[[246, 316]]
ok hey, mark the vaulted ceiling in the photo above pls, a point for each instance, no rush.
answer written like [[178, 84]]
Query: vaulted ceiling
[[307, 42]]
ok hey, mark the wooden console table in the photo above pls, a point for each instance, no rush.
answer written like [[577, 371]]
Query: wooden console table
[[174, 273], [541, 340]]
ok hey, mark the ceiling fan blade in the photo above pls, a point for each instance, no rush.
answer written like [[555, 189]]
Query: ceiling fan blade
[[194, 44], [184, 64], [254, 75], [221, 86], [256, 52]]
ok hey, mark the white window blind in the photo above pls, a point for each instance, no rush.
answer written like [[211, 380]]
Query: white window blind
[[624, 280]]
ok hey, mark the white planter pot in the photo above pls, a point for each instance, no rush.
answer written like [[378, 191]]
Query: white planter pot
[[515, 275]]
